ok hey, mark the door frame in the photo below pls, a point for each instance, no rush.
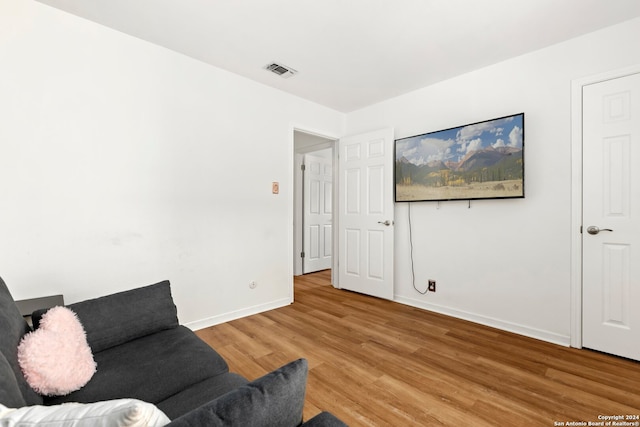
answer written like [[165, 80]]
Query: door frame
[[296, 211], [577, 86]]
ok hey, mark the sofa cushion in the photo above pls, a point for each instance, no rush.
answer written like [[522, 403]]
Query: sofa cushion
[[201, 393], [150, 368], [13, 327], [276, 399], [117, 318], [10, 394]]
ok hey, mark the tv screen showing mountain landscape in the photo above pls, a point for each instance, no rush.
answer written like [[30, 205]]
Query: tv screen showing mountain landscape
[[483, 160]]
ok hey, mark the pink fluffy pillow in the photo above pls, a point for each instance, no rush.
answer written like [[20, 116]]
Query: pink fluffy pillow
[[55, 358]]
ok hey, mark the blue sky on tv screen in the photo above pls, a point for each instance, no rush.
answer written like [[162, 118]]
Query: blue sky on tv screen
[[452, 145]]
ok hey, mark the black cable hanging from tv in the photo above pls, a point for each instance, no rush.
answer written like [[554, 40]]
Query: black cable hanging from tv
[[413, 273]]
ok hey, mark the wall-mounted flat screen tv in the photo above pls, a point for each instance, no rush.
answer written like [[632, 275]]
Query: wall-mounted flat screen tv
[[483, 160]]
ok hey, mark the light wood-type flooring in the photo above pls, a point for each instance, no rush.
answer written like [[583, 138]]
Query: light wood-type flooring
[[374, 362]]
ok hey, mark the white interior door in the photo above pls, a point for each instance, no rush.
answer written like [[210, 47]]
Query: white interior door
[[318, 183], [611, 204], [366, 213]]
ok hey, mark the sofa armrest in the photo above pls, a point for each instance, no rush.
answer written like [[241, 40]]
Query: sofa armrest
[[121, 317], [276, 399], [324, 419]]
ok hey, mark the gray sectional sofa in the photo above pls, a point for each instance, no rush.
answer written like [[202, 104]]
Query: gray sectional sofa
[[143, 353]]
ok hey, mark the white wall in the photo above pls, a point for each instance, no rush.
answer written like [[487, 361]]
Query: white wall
[[504, 262], [123, 163]]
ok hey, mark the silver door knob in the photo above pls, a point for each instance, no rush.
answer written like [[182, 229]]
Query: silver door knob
[[592, 229], [387, 222]]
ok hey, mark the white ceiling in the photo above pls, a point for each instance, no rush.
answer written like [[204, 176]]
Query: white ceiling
[[353, 53]]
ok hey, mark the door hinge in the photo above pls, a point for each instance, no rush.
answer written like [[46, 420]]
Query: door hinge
[[303, 167], [580, 229], [301, 254]]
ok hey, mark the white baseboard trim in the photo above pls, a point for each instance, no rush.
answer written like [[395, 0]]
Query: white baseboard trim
[[233, 315], [563, 340]]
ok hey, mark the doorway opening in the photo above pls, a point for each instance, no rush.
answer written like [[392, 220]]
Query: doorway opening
[[314, 169]]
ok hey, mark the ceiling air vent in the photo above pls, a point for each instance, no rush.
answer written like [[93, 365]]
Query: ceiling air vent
[[281, 70]]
